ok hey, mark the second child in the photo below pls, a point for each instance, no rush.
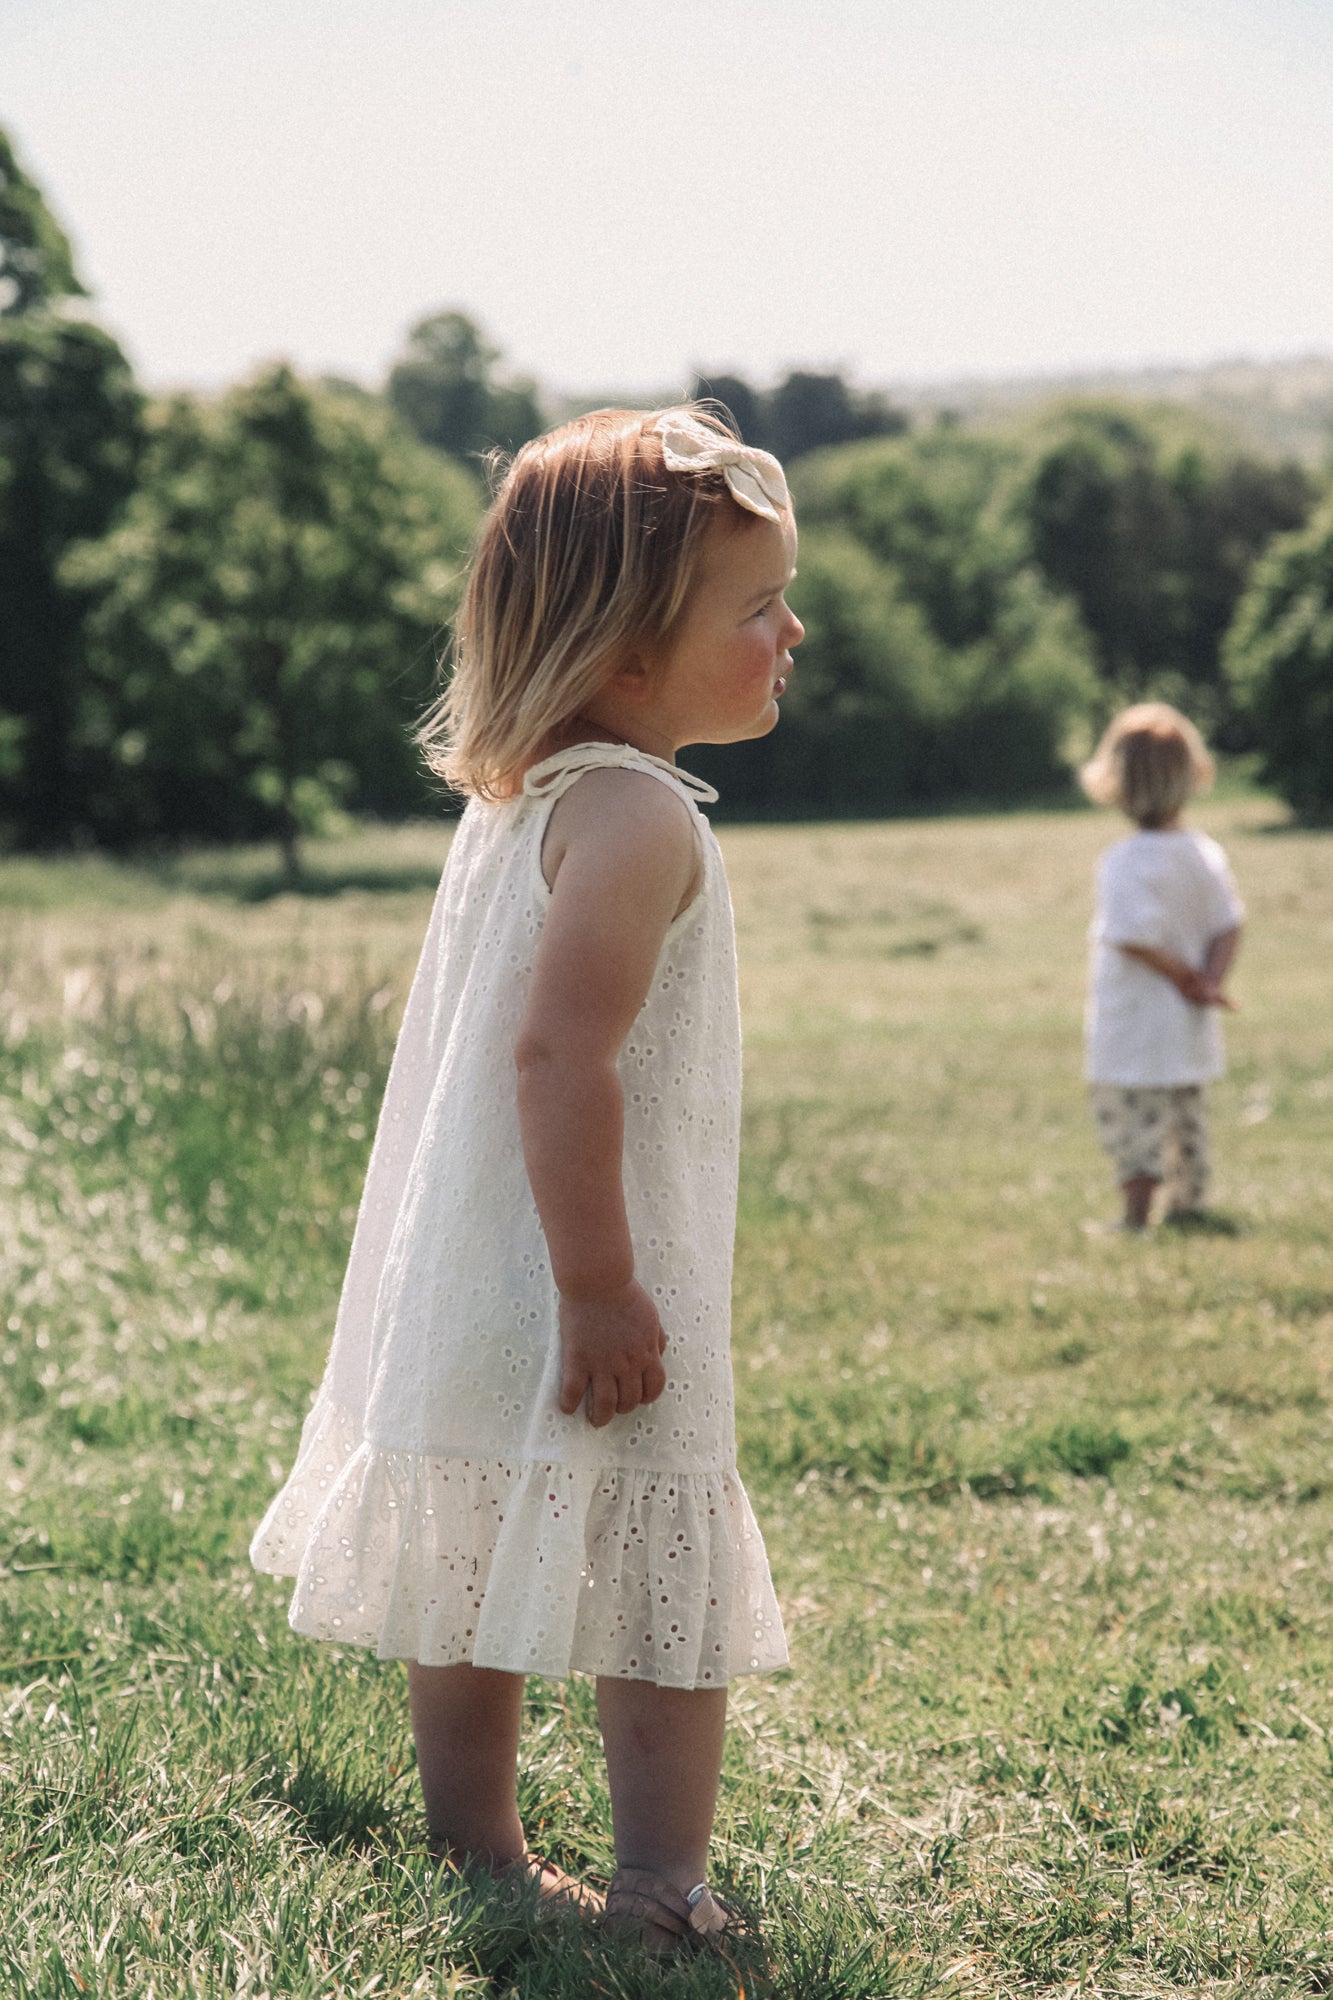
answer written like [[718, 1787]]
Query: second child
[[1165, 933]]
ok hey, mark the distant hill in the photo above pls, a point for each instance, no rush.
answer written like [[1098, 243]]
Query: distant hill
[[1283, 409]]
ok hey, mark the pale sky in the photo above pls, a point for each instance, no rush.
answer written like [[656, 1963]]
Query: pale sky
[[624, 190]]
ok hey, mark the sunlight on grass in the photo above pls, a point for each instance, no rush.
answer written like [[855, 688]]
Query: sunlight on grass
[[1049, 1514]]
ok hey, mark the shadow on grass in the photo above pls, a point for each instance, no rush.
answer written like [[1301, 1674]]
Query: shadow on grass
[[1203, 1222], [338, 1813], [230, 885]]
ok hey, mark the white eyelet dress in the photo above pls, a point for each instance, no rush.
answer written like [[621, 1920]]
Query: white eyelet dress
[[442, 1508]]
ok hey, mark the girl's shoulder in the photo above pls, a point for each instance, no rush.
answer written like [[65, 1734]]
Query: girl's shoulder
[[645, 837]]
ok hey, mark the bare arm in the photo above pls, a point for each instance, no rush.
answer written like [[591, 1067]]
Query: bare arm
[[1202, 986], [1221, 955], [626, 858]]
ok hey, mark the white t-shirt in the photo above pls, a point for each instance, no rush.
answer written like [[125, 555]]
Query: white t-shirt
[[1174, 891]]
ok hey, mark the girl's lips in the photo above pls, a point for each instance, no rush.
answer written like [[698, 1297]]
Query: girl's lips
[[779, 686]]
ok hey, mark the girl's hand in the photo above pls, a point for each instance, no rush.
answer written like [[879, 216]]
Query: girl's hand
[[1201, 991], [1210, 994], [611, 1350]]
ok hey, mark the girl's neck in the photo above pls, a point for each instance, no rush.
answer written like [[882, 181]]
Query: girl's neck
[[1172, 825], [579, 729]]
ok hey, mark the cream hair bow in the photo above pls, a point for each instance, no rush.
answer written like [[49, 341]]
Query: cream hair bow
[[754, 478]]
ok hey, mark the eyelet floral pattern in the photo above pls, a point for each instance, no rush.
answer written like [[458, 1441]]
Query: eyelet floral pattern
[[442, 1508]]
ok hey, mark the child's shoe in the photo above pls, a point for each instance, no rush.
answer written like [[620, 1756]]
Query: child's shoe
[[534, 1888], [664, 1917]]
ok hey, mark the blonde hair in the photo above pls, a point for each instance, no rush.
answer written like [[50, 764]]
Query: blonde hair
[[1149, 762], [589, 551]]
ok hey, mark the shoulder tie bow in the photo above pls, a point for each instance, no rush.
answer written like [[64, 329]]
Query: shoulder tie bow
[[754, 478]]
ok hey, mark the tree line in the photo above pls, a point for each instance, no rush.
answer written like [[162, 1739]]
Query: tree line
[[219, 618]]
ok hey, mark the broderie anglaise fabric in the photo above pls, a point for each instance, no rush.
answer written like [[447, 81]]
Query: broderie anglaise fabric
[[442, 1508]]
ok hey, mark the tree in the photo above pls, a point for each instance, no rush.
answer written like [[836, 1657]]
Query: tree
[[70, 436], [264, 622], [1279, 656], [446, 391], [936, 509], [1154, 538], [804, 413], [36, 262]]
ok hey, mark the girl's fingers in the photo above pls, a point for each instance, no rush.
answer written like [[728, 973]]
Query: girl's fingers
[[573, 1388], [570, 1399], [602, 1399]]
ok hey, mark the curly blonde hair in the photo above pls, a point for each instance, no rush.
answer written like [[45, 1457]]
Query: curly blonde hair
[[589, 551], [1150, 760]]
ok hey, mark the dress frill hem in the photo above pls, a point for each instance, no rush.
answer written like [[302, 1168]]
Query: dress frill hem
[[523, 1566]]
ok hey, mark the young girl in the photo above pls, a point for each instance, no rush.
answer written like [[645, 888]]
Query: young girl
[[1165, 933], [522, 1457]]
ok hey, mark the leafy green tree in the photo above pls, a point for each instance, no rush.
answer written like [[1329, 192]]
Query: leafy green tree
[[264, 621], [1154, 540], [805, 412], [937, 509], [70, 435], [36, 262], [446, 390], [1279, 655]]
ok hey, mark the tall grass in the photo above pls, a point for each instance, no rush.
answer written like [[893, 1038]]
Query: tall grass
[[1049, 1514]]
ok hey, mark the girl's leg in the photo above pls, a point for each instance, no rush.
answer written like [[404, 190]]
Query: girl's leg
[[1138, 1193], [466, 1722], [663, 1760]]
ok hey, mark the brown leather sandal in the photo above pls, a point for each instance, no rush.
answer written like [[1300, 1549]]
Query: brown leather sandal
[[664, 1918], [536, 1888], [553, 1893]]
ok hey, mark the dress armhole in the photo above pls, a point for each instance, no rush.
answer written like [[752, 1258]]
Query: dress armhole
[[548, 800]]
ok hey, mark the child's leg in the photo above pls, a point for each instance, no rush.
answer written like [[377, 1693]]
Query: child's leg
[[466, 1722], [1138, 1193], [1130, 1123], [1187, 1185], [663, 1760]]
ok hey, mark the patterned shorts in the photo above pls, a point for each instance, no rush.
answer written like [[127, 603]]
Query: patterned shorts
[[1156, 1132]]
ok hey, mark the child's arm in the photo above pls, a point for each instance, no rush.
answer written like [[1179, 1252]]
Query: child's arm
[[626, 859], [1202, 986], [1220, 957]]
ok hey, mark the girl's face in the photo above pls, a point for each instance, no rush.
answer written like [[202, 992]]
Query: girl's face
[[721, 675]]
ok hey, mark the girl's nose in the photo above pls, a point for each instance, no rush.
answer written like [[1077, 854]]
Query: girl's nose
[[795, 630]]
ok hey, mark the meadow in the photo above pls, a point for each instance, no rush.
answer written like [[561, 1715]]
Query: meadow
[[1050, 1513]]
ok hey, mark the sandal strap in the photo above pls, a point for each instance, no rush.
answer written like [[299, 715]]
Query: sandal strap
[[707, 1916], [554, 1891], [639, 1895]]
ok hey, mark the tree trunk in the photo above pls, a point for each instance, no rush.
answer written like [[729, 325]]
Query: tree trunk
[[289, 846]]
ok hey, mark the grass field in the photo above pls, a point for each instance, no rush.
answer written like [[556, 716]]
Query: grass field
[[1050, 1515]]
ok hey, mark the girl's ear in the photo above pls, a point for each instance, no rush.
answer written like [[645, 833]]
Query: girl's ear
[[633, 678]]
